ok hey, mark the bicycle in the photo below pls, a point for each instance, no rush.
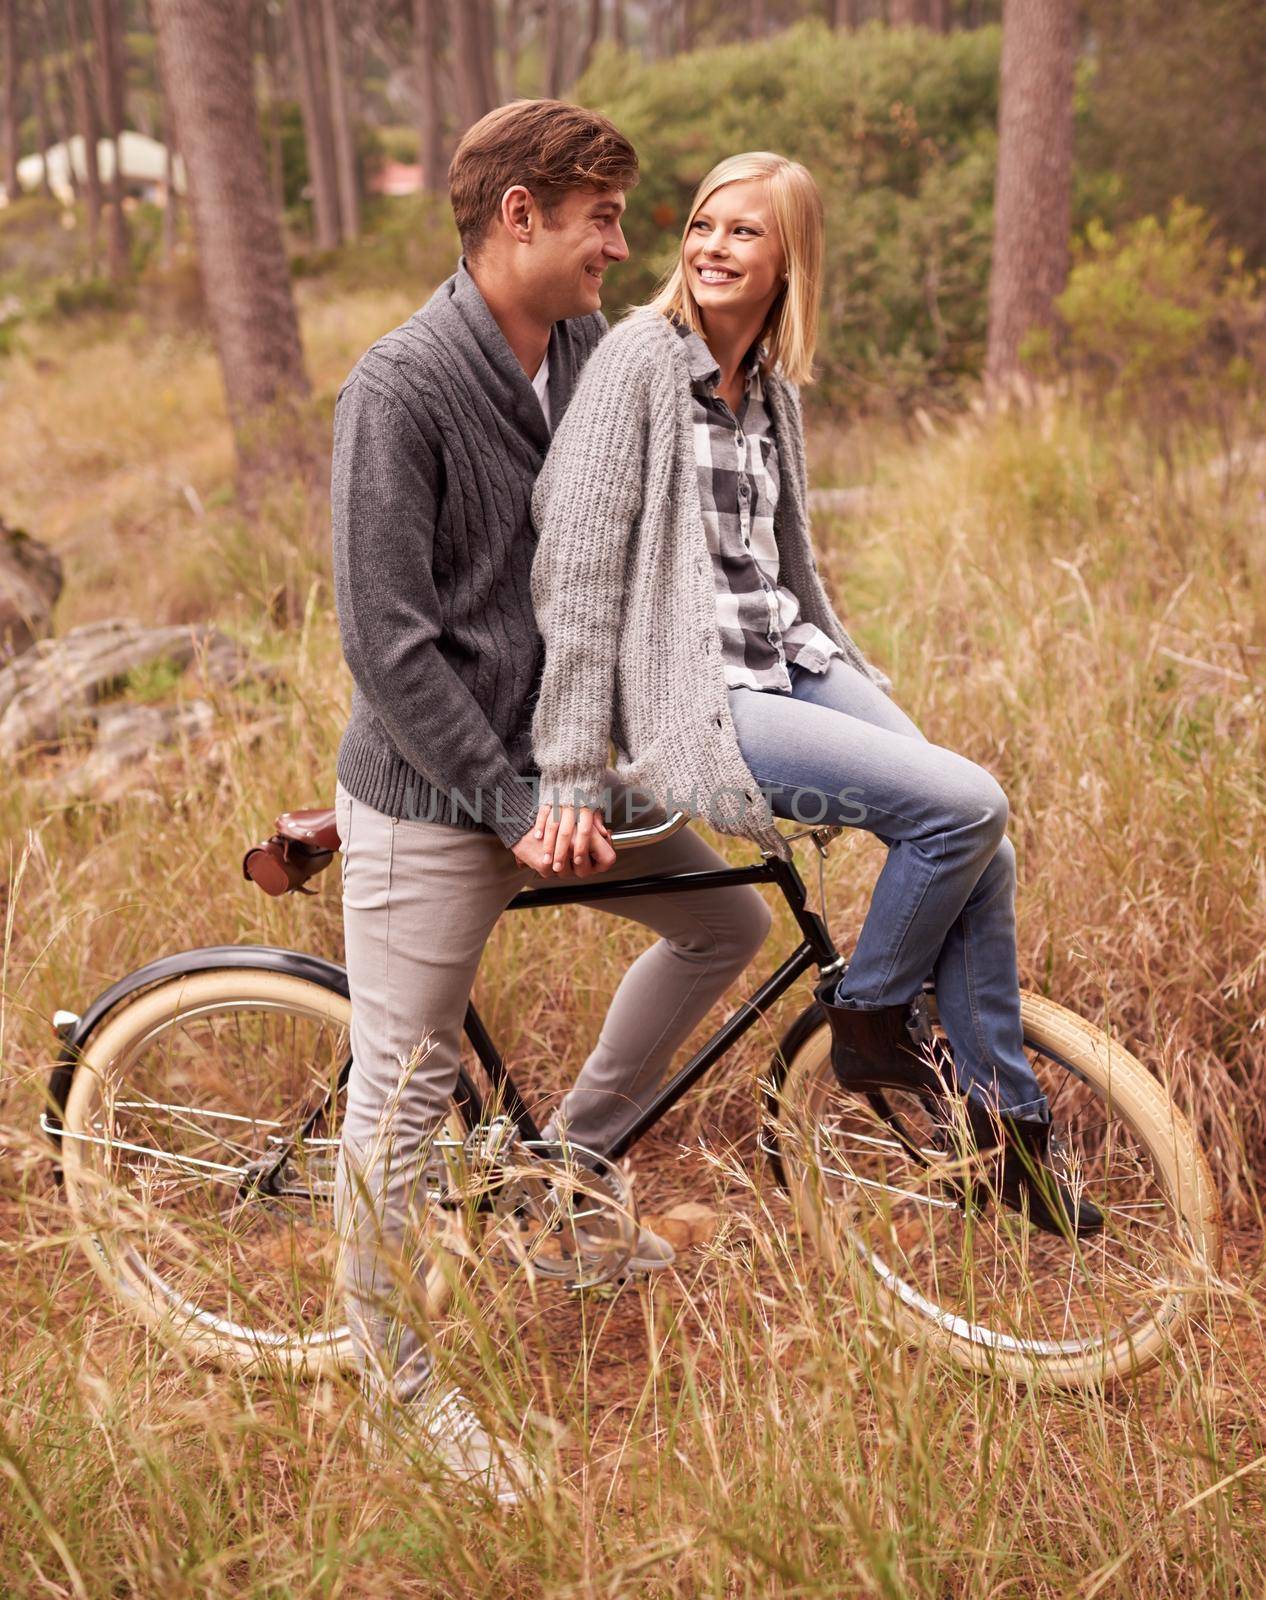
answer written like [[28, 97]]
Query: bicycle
[[195, 1107]]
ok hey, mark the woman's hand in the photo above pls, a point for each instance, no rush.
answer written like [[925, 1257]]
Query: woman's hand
[[575, 836]]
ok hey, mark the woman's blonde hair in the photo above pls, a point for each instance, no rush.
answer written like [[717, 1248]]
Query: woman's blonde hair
[[790, 334]]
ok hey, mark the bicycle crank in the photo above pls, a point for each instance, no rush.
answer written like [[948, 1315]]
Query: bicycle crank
[[554, 1208]]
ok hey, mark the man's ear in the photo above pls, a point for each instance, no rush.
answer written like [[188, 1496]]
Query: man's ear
[[518, 213]]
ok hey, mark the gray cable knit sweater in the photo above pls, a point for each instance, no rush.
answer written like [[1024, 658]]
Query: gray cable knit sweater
[[438, 436], [622, 585]]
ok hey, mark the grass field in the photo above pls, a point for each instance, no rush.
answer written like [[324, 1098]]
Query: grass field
[[1047, 603]]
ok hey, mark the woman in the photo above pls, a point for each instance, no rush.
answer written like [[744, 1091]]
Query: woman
[[683, 616]]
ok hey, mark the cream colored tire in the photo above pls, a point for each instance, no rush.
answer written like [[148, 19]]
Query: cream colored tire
[[1157, 1132], [110, 1217]]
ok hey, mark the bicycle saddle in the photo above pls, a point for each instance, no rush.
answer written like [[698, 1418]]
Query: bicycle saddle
[[317, 828]]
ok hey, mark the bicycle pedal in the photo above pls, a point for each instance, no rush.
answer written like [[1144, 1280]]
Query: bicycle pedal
[[490, 1141]]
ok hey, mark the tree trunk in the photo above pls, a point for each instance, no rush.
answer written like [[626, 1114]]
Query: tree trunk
[[245, 279], [40, 88], [757, 19], [593, 32], [619, 24], [511, 35], [904, 13], [86, 117], [341, 126], [1032, 207], [9, 44], [171, 215], [65, 117], [316, 127], [846, 14], [105, 27], [486, 13], [272, 76], [938, 16], [167, 134], [553, 49], [659, 28], [426, 47], [466, 32]]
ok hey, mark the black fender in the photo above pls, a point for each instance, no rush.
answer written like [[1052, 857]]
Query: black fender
[[808, 1022], [296, 963]]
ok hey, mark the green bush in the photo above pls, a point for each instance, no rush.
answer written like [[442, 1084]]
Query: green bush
[[37, 247], [171, 297], [145, 235], [80, 299], [898, 128], [1174, 107], [290, 143], [407, 239], [1165, 323], [399, 142]]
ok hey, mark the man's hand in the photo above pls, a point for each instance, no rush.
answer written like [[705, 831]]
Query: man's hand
[[530, 852], [572, 839]]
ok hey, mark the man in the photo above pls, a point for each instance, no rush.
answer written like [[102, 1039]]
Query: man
[[439, 433]]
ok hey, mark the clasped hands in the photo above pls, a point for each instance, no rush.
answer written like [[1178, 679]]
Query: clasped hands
[[567, 841]]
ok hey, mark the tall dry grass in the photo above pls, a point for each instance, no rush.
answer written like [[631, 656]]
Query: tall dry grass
[[1045, 605]]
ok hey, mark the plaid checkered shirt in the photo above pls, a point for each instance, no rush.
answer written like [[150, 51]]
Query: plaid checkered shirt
[[759, 619]]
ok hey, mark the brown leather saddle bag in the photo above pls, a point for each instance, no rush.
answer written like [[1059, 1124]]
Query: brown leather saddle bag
[[303, 845]]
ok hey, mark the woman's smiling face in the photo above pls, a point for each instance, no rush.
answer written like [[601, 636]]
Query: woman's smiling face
[[733, 253]]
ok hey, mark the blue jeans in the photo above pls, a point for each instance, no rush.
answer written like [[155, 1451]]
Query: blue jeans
[[838, 750]]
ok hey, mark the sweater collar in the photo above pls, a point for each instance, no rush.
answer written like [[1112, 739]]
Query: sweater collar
[[513, 388]]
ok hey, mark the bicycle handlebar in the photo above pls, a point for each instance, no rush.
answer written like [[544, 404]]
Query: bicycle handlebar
[[631, 838]]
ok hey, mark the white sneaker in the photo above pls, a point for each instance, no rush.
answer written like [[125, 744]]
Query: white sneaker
[[650, 1253], [445, 1428]]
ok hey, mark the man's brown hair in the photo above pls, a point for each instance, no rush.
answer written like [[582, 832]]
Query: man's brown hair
[[548, 146]]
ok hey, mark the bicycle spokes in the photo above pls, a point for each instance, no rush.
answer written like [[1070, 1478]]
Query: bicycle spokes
[[895, 1184]]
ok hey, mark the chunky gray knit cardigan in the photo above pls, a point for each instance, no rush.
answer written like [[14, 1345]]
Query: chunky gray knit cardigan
[[622, 586]]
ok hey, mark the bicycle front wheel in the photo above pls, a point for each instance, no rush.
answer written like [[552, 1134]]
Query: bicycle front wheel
[[874, 1186], [199, 1145]]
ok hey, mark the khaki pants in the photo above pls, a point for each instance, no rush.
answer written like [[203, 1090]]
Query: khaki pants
[[419, 902]]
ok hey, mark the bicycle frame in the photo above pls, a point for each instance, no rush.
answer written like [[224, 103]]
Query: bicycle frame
[[817, 948]]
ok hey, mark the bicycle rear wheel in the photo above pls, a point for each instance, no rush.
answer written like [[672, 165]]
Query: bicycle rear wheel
[[183, 1106], [874, 1187]]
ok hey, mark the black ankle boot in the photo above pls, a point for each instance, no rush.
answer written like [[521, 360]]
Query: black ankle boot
[[886, 1048], [1027, 1181]]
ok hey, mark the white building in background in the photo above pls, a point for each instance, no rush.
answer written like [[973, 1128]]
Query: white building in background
[[143, 162]]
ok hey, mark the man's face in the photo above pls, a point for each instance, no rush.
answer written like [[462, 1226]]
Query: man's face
[[571, 252]]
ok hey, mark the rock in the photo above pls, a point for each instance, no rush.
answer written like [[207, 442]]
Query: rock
[[30, 582], [686, 1224], [52, 690], [127, 736]]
